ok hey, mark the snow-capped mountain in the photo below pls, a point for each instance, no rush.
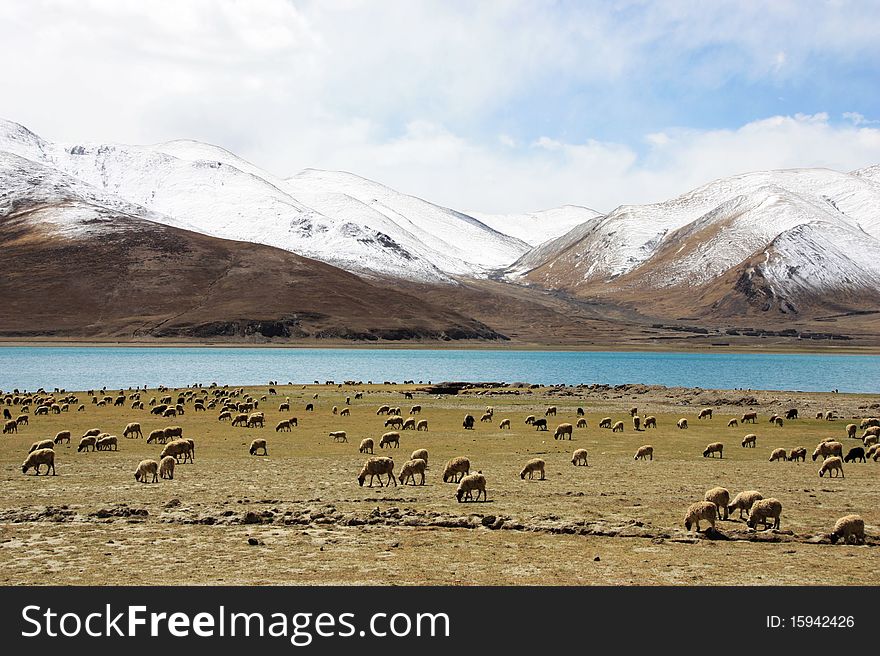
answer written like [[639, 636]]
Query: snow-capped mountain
[[804, 233], [535, 228], [364, 227]]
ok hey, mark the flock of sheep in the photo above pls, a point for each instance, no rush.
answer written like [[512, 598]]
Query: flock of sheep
[[241, 409]]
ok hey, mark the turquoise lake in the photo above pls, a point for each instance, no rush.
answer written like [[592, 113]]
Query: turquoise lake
[[78, 368]]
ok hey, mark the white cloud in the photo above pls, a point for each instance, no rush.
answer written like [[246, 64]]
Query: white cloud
[[441, 99]]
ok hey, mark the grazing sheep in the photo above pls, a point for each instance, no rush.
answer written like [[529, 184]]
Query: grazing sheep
[[293, 421], [721, 498], [505, 423], [799, 453], [580, 412], [562, 430], [682, 423], [22, 419], [383, 410], [705, 413], [581, 423], [178, 448], [256, 419], [870, 440], [705, 511], [82, 408], [617, 428], [339, 436], [366, 445], [283, 407], [240, 419], [637, 423], [225, 415], [873, 430], [851, 430], [468, 484], [855, 454], [605, 423], [532, 466], [829, 448], [540, 424], [146, 469], [750, 441], [744, 501], [10, 427], [170, 412], [157, 436], [166, 467], [772, 419], [334, 410], [397, 422], [579, 458], [778, 454], [62, 436], [486, 417], [791, 413], [645, 452], [87, 442], [409, 424], [778, 422], [173, 431], [379, 466], [733, 423], [345, 412], [310, 407], [831, 465], [550, 411], [257, 445], [422, 425], [750, 417], [468, 422], [764, 509], [650, 422], [410, 469], [134, 429], [873, 450], [829, 416], [870, 421], [712, 449], [283, 425], [416, 409], [633, 411], [391, 439], [849, 527], [107, 443], [455, 469], [42, 444], [530, 420], [420, 454]]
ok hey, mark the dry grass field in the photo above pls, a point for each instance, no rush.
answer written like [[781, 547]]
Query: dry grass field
[[298, 515]]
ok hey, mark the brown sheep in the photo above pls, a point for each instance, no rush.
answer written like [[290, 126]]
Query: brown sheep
[[682, 423], [396, 422], [366, 446], [532, 466], [409, 424], [10, 427], [62, 436], [283, 425], [605, 422], [550, 411], [750, 441], [705, 413], [455, 469], [422, 425], [378, 466], [721, 498], [799, 453], [849, 527], [778, 454], [851, 430], [42, 444], [166, 467], [764, 509], [134, 429], [712, 449], [645, 452], [391, 439], [579, 458], [87, 442], [700, 511], [831, 465], [733, 423], [257, 445], [581, 423], [562, 430], [826, 449], [505, 423], [146, 469], [750, 417], [617, 428], [410, 469]]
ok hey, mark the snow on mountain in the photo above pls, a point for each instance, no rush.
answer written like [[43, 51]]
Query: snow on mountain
[[368, 228], [451, 235], [535, 228]]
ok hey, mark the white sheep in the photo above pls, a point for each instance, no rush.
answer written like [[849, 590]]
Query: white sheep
[[744, 501], [562, 430], [145, 469], [828, 448], [750, 441], [420, 454], [605, 422], [849, 527], [390, 439], [764, 509], [645, 452], [366, 445], [505, 423], [339, 436], [700, 511], [705, 413], [778, 454], [410, 469], [617, 428], [732, 423], [830, 465], [37, 458], [532, 466], [682, 423], [468, 484], [579, 458], [712, 449], [720, 496], [379, 466], [166, 467], [42, 444], [257, 445], [455, 469]]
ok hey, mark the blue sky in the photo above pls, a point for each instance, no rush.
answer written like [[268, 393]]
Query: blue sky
[[496, 106]]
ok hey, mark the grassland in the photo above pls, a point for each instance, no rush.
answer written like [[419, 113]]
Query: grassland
[[615, 522]]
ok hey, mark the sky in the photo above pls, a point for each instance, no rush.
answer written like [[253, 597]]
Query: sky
[[498, 106]]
